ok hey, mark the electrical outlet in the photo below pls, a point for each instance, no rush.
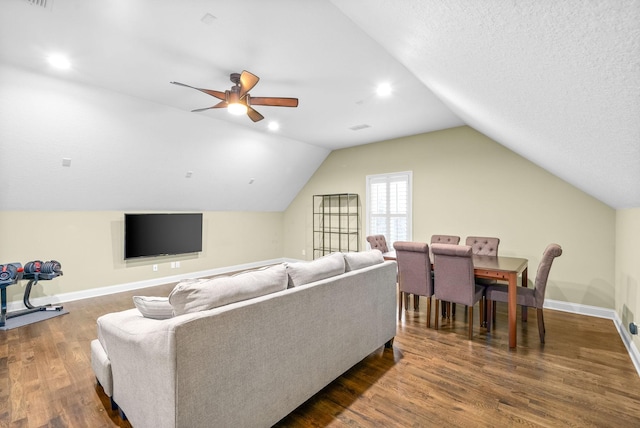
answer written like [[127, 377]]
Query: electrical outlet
[[177, 264], [155, 268], [173, 265], [304, 252]]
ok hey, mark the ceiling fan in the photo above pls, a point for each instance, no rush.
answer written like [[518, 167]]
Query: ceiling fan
[[237, 99]]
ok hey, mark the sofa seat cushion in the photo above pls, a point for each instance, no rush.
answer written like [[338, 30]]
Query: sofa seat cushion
[[199, 295], [157, 308], [362, 259], [301, 273]]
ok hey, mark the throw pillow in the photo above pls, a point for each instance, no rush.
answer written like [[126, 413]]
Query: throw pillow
[[190, 296], [355, 261], [301, 273], [157, 308]]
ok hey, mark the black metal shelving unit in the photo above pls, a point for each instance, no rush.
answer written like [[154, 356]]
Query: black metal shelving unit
[[336, 223]]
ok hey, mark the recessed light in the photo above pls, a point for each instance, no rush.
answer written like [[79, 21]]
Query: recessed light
[[383, 89], [273, 126], [59, 61]]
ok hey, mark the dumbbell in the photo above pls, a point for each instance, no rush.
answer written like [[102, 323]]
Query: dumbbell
[[33, 267], [9, 272], [52, 266]]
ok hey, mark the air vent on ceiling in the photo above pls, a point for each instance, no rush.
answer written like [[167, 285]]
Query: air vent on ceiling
[[359, 127], [45, 4]]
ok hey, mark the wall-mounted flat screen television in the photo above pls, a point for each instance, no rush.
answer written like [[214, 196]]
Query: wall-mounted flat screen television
[[148, 235]]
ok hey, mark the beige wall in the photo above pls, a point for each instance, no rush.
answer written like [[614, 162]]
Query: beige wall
[[463, 183], [467, 184], [628, 268], [89, 244]]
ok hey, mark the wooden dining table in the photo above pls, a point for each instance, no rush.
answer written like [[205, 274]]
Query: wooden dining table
[[503, 269]]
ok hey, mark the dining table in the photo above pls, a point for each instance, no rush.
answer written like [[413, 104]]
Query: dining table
[[503, 269]]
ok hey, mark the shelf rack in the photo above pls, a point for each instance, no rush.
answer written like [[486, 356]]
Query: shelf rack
[[336, 223]]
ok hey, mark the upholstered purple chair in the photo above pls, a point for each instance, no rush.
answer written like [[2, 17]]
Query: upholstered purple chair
[[378, 242], [454, 280], [483, 246], [445, 239], [533, 297], [414, 274]]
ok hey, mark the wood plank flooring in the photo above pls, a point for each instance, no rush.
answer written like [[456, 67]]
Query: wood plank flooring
[[582, 376]]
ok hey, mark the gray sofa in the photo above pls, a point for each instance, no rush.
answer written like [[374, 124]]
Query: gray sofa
[[251, 362]]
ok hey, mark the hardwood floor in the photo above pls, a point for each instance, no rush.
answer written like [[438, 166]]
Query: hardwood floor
[[582, 376]]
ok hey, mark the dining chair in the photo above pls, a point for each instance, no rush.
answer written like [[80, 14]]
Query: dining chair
[[414, 274], [378, 242], [454, 280], [444, 239], [483, 246], [529, 297]]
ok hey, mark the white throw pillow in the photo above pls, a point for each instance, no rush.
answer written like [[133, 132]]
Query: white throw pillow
[[355, 261], [195, 296], [157, 308], [301, 273]]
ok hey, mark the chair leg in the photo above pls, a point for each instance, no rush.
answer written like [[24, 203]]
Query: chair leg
[[406, 301], [470, 322], [435, 322], [429, 312], [541, 330], [487, 314], [416, 302], [400, 293]]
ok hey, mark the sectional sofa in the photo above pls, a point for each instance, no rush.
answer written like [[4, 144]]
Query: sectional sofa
[[245, 350]]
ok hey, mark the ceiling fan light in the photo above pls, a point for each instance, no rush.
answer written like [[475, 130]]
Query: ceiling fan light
[[237, 109]]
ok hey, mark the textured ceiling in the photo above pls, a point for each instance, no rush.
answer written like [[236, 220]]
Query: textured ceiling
[[557, 82]]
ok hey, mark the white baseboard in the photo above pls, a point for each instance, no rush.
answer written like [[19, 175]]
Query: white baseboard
[[102, 291], [557, 305], [595, 311]]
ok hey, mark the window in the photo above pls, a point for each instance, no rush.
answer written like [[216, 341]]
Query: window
[[389, 206]]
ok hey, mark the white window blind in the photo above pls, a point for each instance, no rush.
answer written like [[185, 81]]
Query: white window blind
[[389, 206]]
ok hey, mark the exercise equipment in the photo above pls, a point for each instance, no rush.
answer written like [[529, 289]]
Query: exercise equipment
[[34, 271], [10, 273]]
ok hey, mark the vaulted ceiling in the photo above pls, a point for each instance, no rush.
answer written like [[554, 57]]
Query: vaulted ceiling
[[556, 82]]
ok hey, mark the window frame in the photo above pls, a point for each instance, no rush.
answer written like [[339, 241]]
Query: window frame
[[389, 178]]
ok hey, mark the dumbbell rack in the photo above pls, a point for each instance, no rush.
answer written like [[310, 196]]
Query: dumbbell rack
[[33, 280], [10, 274]]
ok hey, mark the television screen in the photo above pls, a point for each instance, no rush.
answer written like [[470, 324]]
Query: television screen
[[147, 235]]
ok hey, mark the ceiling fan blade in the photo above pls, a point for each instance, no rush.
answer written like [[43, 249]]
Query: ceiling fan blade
[[254, 115], [219, 95], [247, 82], [221, 104], [271, 101]]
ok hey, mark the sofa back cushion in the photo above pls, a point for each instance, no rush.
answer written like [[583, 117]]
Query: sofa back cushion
[[199, 295], [362, 259], [301, 273]]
